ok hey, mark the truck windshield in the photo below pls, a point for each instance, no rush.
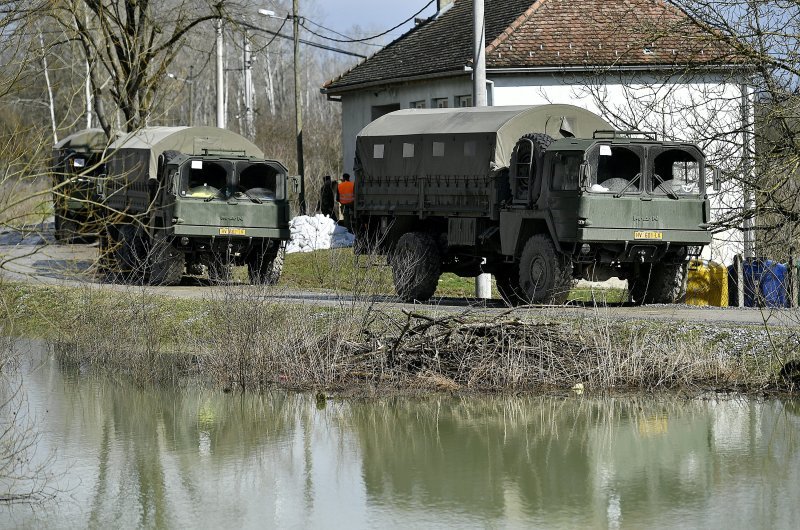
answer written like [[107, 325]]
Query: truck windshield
[[206, 179], [260, 180], [615, 169], [676, 172]]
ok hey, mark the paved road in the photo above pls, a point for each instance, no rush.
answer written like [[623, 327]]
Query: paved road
[[36, 258]]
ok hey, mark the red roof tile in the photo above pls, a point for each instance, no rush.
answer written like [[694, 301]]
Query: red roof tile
[[543, 34]]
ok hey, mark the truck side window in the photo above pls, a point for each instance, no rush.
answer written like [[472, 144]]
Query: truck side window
[[566, 166]]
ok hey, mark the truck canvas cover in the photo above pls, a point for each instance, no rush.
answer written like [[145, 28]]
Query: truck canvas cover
[[134, 158], [88, 140], [469, 141]]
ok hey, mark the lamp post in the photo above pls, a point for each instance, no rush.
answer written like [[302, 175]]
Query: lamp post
[[297, 98], [187, 81]]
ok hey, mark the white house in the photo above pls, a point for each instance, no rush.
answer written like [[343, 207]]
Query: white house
[[641, 64]]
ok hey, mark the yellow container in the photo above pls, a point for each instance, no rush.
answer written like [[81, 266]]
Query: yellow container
[[707, 284]]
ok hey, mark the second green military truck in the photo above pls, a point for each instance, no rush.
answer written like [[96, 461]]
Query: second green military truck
[[538, 196], [193, 199]]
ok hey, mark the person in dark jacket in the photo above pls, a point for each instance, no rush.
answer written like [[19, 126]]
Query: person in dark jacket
[[327, 197]]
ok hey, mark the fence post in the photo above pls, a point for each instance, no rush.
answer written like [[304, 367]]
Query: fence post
[[738, 266]]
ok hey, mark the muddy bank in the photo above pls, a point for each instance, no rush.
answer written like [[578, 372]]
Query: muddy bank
[[244, 339]]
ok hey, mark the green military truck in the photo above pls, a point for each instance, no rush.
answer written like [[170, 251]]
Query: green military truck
[[78, 172], [191, 199], [538, 196]]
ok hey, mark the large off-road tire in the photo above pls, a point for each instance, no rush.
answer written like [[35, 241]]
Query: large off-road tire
[[416, 266], [545, 275], [265, 268], [658, 283], [540, 143], [167, 263], [66, 229], [131, 254]]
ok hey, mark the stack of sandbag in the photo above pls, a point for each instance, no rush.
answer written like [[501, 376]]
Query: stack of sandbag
[[318, 232]]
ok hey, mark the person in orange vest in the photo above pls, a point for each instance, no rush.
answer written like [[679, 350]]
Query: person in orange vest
[[346, 196]]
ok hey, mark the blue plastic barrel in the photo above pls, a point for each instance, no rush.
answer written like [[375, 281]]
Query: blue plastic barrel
[[774, 284], [753, 270]]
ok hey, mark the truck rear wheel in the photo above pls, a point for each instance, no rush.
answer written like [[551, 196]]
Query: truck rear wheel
[[66, 229], [131, 253], [658, 283], [166, 263], [416, 266], [545, 275], [265, 268]]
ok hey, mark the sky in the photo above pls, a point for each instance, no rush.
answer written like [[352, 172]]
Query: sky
[[342, 15], [360, 18]]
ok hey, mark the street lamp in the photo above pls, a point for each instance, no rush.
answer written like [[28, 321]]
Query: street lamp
[[187, 81], [297, 102]]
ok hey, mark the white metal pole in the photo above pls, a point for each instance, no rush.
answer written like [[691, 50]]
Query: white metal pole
[[88, 92], [248, 87], [220, 77], [483, 283]]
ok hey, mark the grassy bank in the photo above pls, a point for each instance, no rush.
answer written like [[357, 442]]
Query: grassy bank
[[245, 338]]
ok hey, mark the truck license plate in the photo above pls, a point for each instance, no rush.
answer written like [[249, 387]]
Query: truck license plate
[[232, 231], [648, 235]]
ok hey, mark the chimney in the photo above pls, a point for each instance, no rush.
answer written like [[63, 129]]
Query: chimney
[[443, 5]]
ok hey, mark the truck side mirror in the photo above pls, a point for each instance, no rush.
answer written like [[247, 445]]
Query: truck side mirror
[[583, 175], [717, 178]]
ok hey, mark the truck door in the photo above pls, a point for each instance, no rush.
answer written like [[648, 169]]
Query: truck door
[[562, 170]]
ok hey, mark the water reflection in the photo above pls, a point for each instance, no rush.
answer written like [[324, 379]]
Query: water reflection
[[189, 457]]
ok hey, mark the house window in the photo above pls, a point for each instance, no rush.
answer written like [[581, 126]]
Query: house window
[[438, 148], [408, 150], [418, 104], [464, 101], [377, 151], [439, 103], [381, 110]]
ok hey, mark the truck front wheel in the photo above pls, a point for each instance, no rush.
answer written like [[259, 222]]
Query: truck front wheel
[[416, 266], [658, 283], [166, 263], [265, 268], [545, 275], [131, 253]]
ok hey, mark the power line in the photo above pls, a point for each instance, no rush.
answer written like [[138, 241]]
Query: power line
[[340, 34], [349, 40], [306, 42]]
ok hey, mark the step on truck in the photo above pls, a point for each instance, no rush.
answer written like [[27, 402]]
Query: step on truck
[[78, 171], [538, 196], [193, 199]]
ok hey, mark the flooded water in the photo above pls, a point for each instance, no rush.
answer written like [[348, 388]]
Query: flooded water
[[127, 457]]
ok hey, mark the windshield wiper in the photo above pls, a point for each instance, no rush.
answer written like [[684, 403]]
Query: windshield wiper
[[668, 189], [630, 183], [252, 198]]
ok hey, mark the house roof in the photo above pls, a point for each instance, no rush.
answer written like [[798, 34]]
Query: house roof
[[543, 34]]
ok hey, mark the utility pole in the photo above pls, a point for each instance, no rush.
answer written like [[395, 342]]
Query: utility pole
[[248, 87], [298, 109], [88, 93], [191, 95], [483, 282], [220, 78]]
